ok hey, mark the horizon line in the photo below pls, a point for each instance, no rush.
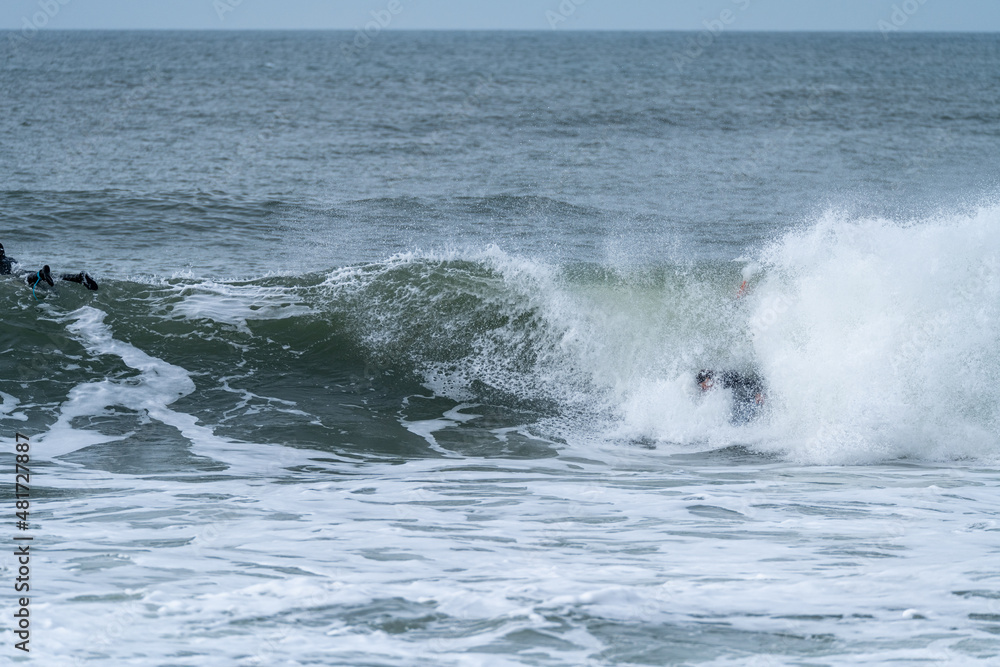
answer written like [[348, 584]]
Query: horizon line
[[543, 30]]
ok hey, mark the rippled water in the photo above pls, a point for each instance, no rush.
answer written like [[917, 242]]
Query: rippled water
[[393, 356]]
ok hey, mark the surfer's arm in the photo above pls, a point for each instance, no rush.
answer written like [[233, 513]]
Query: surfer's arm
[[82, 278]]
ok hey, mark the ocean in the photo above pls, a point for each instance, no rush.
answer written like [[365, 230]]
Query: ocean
[[394, 353]]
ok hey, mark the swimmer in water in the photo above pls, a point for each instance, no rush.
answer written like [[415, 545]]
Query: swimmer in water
[[43, 275], [748, 391]]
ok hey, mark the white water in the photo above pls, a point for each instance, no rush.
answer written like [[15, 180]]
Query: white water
[[877, 341], [881, 340], [610, 553], [636, 558]]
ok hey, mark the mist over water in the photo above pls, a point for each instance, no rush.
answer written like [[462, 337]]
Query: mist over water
[[393, 358]]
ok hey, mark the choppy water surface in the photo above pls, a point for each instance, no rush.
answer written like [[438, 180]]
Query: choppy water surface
[[394, 352]]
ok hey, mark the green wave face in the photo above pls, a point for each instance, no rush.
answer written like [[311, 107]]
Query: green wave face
[[344, 360]]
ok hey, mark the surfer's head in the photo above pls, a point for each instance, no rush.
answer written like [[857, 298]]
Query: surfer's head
[[2, 253], [46, 275], [705, 379]]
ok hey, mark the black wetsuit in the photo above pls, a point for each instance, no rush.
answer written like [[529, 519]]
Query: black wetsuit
[[42, 275], [81, 278], [6, 264], [746, 390]]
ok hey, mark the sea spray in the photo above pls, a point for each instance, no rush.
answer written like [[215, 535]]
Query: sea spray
[[886, 343]]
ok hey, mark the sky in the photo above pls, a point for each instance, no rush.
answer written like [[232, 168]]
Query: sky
[[876, 15]]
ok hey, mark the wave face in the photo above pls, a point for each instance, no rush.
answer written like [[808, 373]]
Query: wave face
[[393, 358], [875, 340]]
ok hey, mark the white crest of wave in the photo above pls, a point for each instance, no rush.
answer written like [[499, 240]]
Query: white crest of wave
[[881, 340], [877, 340]]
